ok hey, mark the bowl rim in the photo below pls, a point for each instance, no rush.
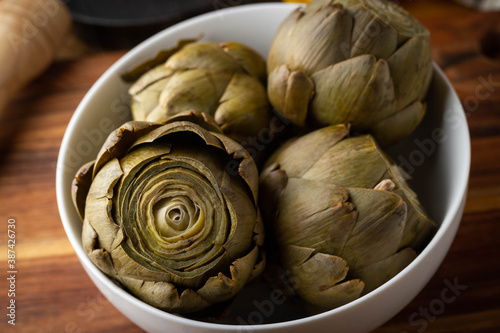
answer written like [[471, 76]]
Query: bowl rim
[[447, 221]]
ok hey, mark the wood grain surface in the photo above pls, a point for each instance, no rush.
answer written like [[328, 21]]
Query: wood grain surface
[[54, 294]]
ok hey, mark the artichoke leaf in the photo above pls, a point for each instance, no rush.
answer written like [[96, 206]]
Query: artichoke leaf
[[140, 156], [80, 187], [316, 215], [159, 58], [277, 52], [151, 77], [314, 34], [220, 288], [258, 238], [157, 114], [380, 272], [419, 228], [318, 277], [410, 72], [290, 92], [243, 225], [378, 229], [100, 257], [98, 209], [165, 295], [89, 237], [273, 181], [335, 296], [333, 104], [247, 58], [129, 263], [195, 89], [399, 125], [243, 108], [376, 100], [246, 169], [144, 104], [320, 270], [208, 163], [357, 161], [202, 55], [118, 141], [370, 34], [201, 119], [297, 158], [397, 17], [184, 127]]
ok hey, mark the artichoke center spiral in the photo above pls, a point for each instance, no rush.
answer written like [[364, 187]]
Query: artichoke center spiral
[[172, 212], [174, 215]]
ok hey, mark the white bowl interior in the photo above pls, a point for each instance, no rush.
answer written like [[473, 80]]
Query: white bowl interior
[[437, 156]]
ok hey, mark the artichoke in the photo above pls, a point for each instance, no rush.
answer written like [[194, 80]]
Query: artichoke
[[170, 211], [363, 62], [225, 80], [344, 218]]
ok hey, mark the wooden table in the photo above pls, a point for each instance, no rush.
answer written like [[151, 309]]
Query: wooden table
[[54, 294]]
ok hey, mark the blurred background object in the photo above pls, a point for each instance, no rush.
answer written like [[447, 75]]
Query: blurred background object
[[31, 31], [483, 5], [122, 24]]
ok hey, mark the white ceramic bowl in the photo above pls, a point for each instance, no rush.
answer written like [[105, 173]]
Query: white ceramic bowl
[[437, 155]]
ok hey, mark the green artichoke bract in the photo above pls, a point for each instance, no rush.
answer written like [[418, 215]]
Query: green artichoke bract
[[344, 218], [363, 62], [170, 211], [225, 80]]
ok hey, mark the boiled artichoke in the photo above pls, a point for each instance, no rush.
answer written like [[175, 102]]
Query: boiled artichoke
[[363, 62], [344, 218], [225, 80], [170, 211]]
